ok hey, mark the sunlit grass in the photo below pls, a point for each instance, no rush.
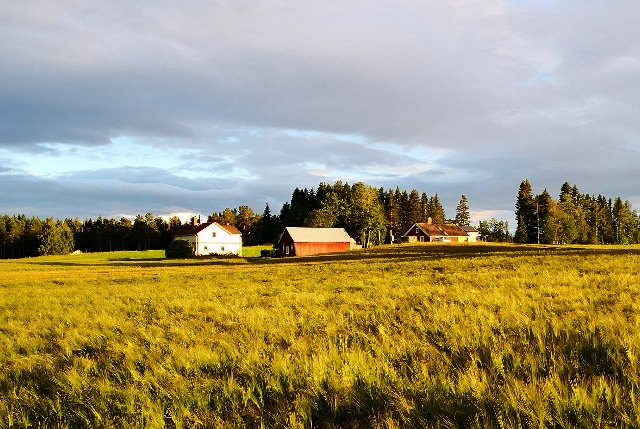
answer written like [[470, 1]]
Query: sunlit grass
[[400, 336]]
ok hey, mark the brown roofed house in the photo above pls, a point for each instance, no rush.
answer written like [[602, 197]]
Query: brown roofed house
[[427, 231]]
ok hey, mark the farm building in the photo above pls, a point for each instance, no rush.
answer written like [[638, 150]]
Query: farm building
[[471, 232], [299, 241], [211, 238], [428, 231]]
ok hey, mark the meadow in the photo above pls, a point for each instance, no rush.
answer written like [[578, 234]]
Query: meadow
[[429, 336]]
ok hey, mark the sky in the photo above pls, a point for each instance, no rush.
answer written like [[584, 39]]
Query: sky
[[120, 108]]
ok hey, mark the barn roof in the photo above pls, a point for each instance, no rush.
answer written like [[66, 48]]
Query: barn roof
[[318, 235]]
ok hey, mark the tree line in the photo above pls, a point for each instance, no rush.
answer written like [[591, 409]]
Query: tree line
[[370, 215], [21, 236], [574, 218]]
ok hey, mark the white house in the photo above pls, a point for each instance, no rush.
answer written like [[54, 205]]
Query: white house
[[471, 232], [211, 238]]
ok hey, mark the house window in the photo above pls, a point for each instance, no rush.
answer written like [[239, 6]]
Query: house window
[[421, 238], [213, 234], [286, 250], [417, 230]]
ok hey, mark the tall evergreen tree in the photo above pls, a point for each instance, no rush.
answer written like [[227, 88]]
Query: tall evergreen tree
[[414, 211], [544, 218], [525, 215], [436, 210], [391, 211], [424, 207], [462, 212], [403, 211], [565, 191], [268, 226]]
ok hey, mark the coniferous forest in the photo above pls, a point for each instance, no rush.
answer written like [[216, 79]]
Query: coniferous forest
[[574, 218], [371, 215]]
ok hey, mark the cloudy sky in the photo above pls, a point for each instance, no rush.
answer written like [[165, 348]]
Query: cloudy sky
[[118, 108]]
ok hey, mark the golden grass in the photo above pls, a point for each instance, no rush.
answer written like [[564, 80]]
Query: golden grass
[[398, 336]]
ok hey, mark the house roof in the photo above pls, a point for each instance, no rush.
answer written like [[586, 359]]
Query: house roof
[[318, 235], [231, 229], [195, 229], [468, 228], [431, 229], [192, 229], [452, 230], [439, 229]]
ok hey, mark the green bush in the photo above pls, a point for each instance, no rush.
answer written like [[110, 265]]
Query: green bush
[[269, 253], [179, 249]]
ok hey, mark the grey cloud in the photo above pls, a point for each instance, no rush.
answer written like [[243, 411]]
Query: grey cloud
[[103, 192], [543, 90]]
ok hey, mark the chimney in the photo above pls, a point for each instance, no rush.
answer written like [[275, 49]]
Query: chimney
[[429, 220], [195, 221]]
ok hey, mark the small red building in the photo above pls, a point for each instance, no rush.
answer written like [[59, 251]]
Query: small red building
[[446, 232], [300, 241]]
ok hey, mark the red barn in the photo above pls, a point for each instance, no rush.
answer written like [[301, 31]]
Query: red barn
[[299, 241]]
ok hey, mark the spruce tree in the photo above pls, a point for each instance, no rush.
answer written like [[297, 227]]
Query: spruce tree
[[544, 218], [414, 214], [526, 215], [462, 212], [436, 210], [268, 227], [424, 207]]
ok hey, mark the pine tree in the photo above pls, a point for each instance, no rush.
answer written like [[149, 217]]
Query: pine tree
[[526, 231], [436, 210], [424, 207], [414, 214], [565, 191], [403, 210], [268, 226], [462, 212], [545, 222], [391, 212]]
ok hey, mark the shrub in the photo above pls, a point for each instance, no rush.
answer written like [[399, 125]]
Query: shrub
[[269, 253], [179, 249]]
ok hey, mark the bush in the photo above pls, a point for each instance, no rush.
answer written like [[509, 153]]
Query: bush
[[269, 253], [179, 249]]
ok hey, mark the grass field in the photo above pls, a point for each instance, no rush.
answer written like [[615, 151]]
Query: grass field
[[429, 336]]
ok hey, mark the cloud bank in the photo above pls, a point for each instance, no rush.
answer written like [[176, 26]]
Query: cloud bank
[[160, 106]]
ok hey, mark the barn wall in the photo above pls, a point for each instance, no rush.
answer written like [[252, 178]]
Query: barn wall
[[287, 246], [305, 249]]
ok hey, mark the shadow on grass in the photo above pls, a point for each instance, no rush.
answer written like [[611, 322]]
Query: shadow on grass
[[404, 252]]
